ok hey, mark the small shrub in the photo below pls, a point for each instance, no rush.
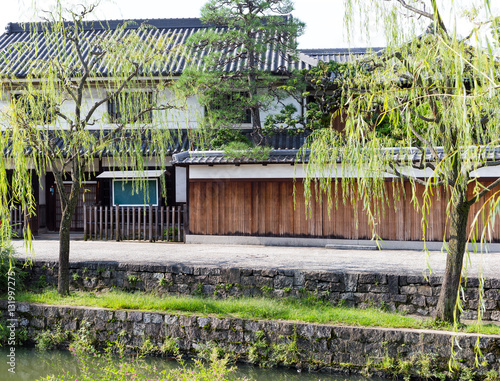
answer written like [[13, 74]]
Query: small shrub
[[50, 339], [266, 290], [209, 350], [198, 291], [41, 283], [83, 340], [9, 272], [133, 279], [241, 150], [285, 353], [170, 346], [147, 347], [171, 234]]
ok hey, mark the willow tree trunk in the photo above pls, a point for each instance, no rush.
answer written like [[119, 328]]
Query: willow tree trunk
[[447, 304], [64, 240]]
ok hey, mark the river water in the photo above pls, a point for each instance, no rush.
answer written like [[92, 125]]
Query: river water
[[31, 364]]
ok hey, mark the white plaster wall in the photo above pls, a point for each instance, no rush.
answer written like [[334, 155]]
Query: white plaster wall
[[187, 113], [180, 184], [276, 107], [287, 171], [42, 191]]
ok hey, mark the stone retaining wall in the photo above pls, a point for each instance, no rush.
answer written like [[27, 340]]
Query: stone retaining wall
[[404, 293], [297, 344]]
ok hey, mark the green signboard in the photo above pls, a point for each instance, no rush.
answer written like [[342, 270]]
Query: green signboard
[[127, 193]]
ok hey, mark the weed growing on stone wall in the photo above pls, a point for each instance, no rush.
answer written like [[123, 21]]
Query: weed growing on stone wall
[[41, 283], [207, 351], [21, 334], [492, 375], [76, 277], [285, 353], [198, 291], [170, 347], [117, 346], [147, 347], [132, 279], [162, 282], [83, 340], [50, 339], [258, 353], [9, 265], [266, 290], [216, 368]]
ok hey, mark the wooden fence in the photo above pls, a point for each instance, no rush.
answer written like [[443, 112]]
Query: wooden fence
[[144, 223], [17, 221], [270, 208]]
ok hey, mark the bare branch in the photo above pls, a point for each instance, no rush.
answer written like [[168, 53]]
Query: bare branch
[[415, 10], [112, 95]]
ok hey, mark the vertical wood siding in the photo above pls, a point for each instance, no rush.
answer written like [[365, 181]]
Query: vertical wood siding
[[267, 208]]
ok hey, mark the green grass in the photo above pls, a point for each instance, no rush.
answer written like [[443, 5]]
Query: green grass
[[303, 310]]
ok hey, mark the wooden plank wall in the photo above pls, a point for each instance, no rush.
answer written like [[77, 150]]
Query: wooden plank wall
[[267, 208]]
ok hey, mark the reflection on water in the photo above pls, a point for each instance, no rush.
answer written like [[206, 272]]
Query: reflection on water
[[32, 364]]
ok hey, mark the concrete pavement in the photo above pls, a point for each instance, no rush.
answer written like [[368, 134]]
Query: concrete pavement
[[254, 256]]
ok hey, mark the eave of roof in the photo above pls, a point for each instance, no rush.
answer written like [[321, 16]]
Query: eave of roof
[[340, 55], [300, 156], [31, 61], [284, 156]]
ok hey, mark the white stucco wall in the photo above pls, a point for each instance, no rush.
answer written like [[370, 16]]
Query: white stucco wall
[[187, 113], [287, 171]]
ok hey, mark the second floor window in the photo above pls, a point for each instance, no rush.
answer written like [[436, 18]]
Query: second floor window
[[131, 107], [231, 107]]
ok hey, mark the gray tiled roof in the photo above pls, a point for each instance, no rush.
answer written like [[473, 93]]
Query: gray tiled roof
[[26, 48], [180, 142], [340, 55], [219, 157], [285, 156]]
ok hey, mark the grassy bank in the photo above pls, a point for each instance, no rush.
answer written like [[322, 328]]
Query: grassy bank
[[310, 310]]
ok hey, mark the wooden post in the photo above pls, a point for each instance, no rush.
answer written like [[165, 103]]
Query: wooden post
[[117, 223], [84, 224], [133, 223], [122, 223], [111, 222], [178, 224], [100, 222], [168, 222], [128, 222], [105, 223], [150, 223], [90, 222], [185, 222], [172, 222], [95, 222], [162, 235]]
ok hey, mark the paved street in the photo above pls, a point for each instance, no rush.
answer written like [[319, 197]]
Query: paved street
[[254, 256]]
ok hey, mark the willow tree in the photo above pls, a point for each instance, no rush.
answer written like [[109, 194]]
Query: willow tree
[[60, 81], [438, 88], [231, 80]]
